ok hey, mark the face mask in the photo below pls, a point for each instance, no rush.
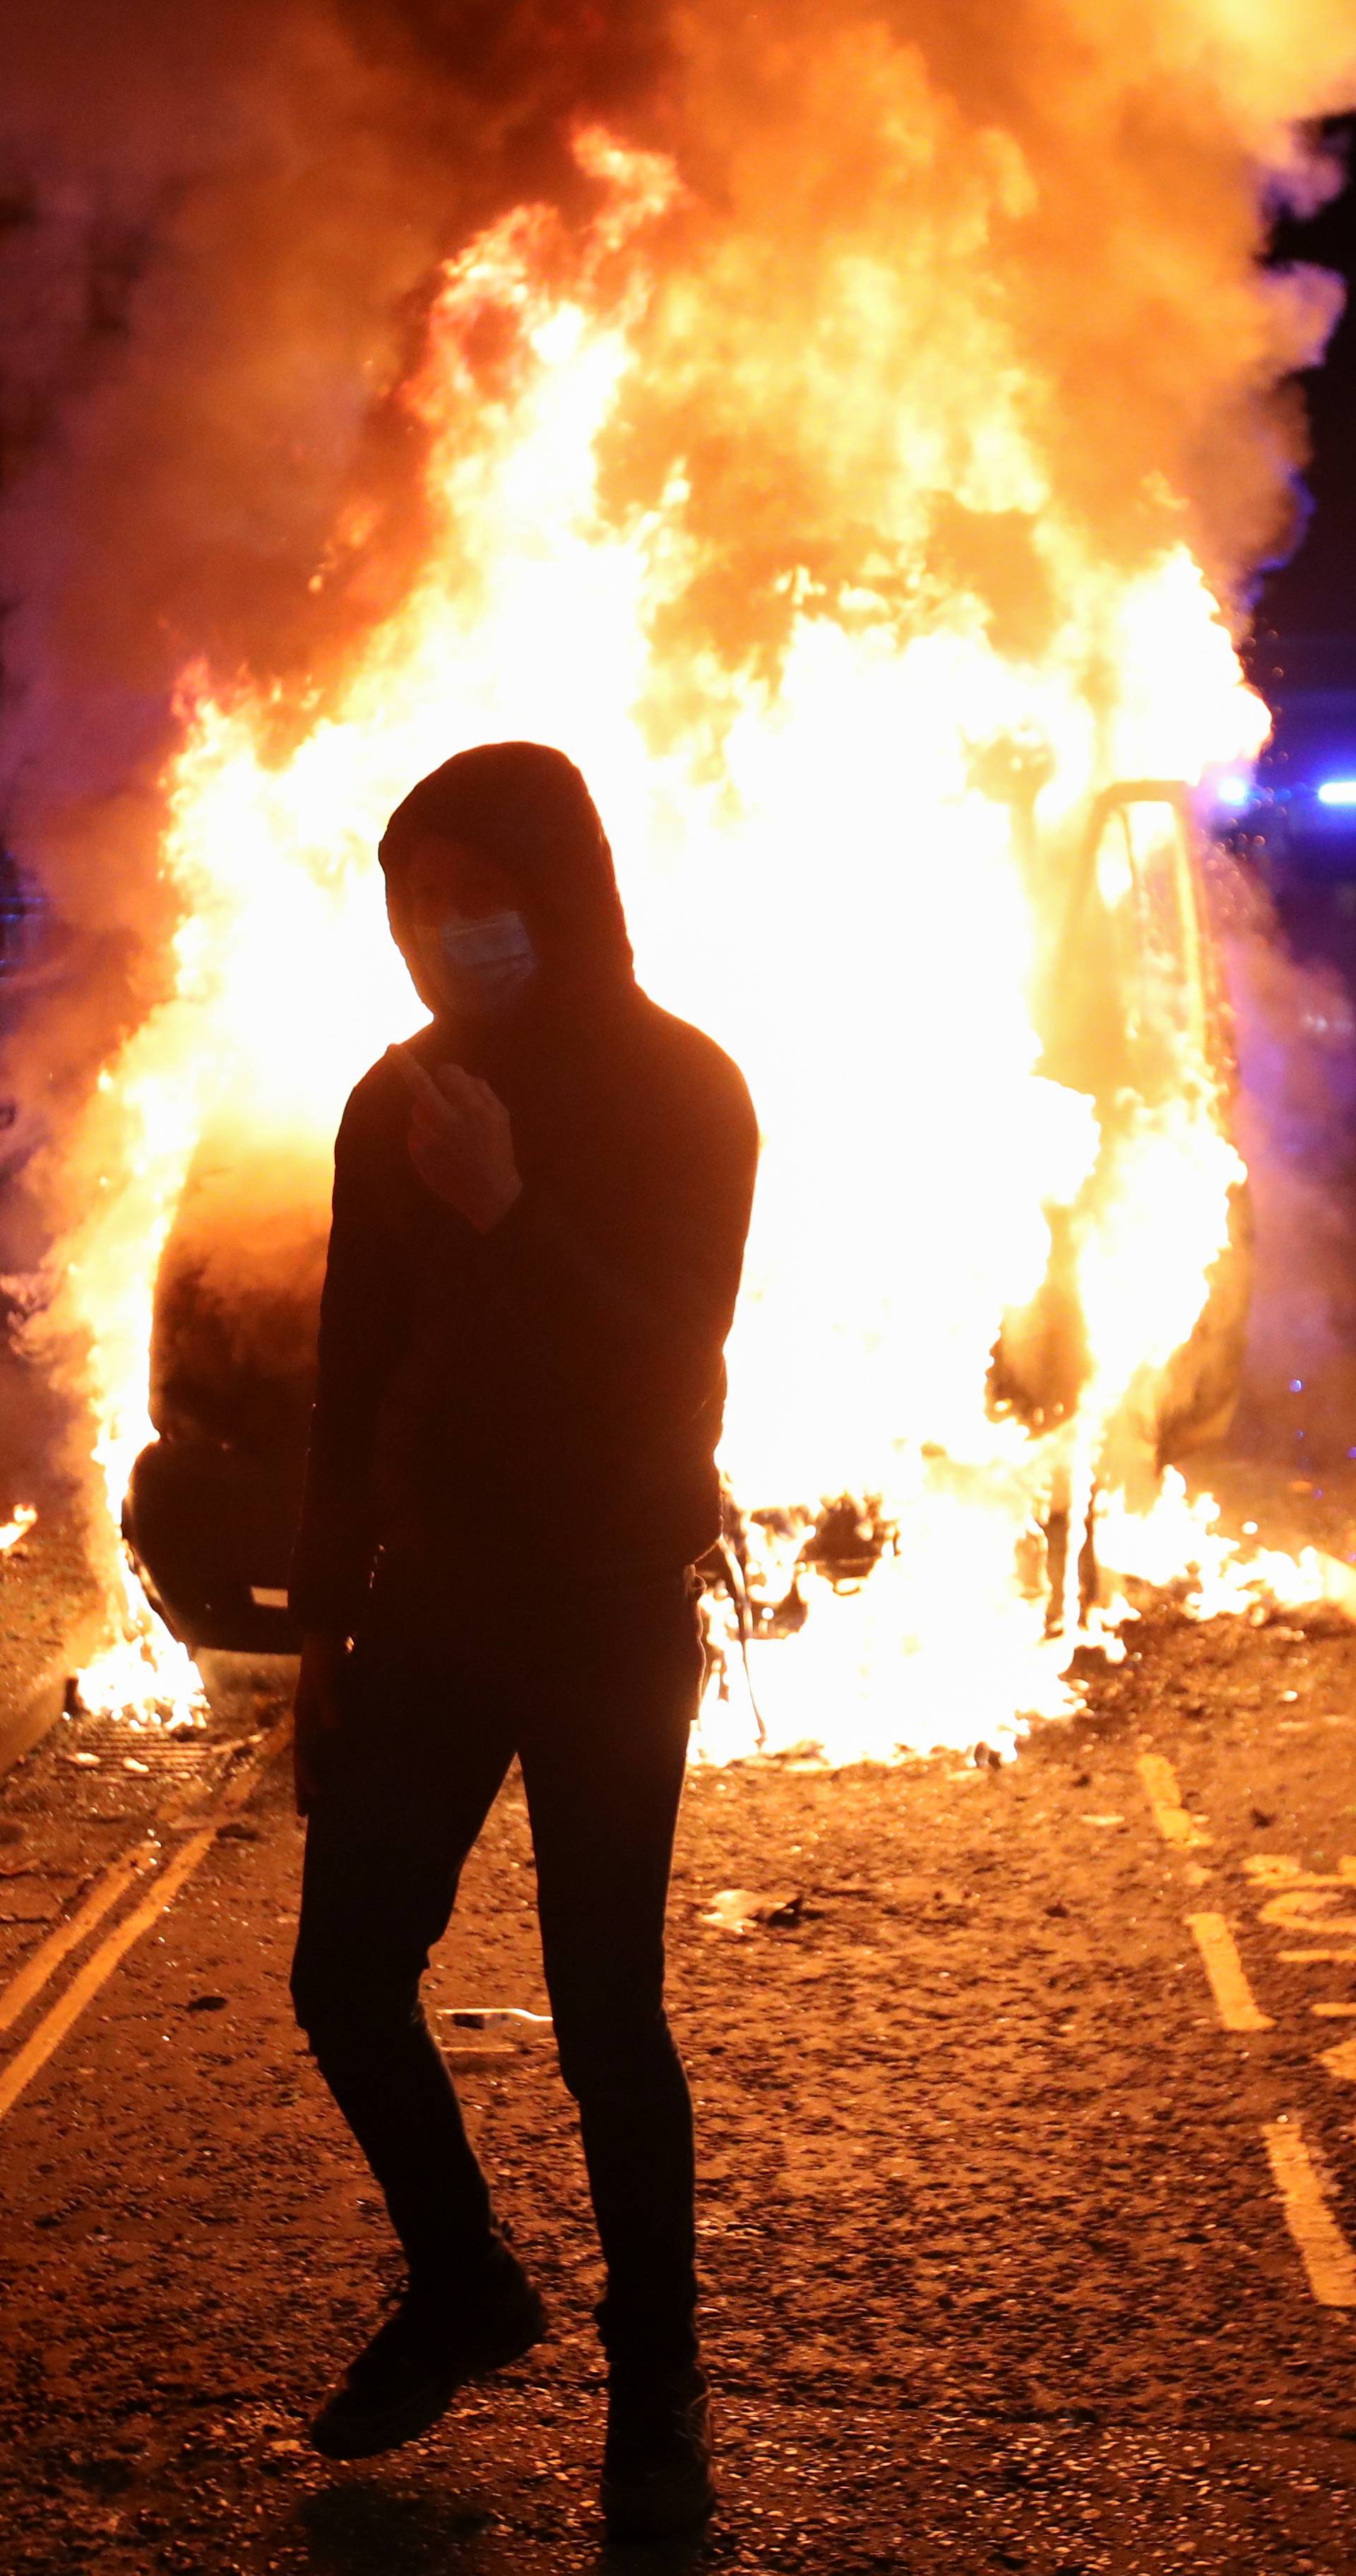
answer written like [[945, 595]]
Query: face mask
[[478, 966]]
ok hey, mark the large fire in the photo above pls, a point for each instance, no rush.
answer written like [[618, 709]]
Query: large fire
[[829, 859]]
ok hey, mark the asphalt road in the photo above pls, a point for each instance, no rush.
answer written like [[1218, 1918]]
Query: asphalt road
[[1016, 2255]]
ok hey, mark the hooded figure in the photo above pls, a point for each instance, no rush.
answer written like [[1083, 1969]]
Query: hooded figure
[[542, 1401], [529, 809], [540, 1208]]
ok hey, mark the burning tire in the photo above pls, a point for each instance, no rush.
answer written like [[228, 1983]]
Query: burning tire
[[212, 1505]]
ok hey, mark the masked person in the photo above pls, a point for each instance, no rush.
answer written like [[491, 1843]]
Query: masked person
[[540, 1208]]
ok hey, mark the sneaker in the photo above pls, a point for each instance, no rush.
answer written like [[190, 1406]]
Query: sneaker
[[407, 2376], [657, 2463]]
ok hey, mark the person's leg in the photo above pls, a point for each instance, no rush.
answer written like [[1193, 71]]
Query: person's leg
[[408, 1784], [603, 1754]]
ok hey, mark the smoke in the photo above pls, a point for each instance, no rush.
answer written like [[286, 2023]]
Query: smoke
[[1041, 227], [220, 234], [1296, 1126]]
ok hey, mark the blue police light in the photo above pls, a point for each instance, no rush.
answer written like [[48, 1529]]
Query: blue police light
[[1337, 791], [1233, 792]]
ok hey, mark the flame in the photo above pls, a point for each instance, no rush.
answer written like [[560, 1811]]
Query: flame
[[104, 1302], [816, 868], [144, 1675], [17, 1527]]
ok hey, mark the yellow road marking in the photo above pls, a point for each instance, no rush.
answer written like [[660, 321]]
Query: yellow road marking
[[1165, 1798], [52, 2029], [1281, 1869], [1224, 1968], [98, 1968], [1335, 2012], [1305, 1909], [1326, 2255], [1317, 1958], [106, 1891], [1340, 2061]]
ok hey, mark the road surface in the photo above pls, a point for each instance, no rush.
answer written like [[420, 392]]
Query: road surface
[[1028, 2165]]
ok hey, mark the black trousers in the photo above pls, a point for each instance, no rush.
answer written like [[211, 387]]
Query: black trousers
[[595, 1694]]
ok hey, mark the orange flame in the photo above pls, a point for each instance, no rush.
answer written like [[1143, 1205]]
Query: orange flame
[[17, 1527], [813, 869]]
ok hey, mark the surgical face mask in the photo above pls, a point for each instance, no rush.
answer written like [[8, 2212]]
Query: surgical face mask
[[478, 966]]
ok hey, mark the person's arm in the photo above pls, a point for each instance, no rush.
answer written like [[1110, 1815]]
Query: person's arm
[[362, 1327], [654, 1307], [316, 1710]]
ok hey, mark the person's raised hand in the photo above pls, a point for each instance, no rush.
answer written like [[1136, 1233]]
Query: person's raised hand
[[316, 1710], [461, 1140]]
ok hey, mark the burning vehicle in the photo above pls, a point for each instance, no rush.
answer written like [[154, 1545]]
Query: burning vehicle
[[1133, 1019], [897, 639]]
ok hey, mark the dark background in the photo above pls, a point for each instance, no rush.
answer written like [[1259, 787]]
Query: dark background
[[1312, 594], [1303, 655]]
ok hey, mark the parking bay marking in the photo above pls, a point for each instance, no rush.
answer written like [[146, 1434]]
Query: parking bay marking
[[1165, 1798], [1329, 2263], [98, 1968], [1324, 2251], [1234, 2000]]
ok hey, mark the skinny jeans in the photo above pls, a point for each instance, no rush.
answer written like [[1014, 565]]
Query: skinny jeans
[[595, 1692]]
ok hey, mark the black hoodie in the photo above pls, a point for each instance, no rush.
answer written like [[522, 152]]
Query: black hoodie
[[543, 1400]]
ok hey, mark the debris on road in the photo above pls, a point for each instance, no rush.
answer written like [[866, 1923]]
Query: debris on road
[[742, 1909]]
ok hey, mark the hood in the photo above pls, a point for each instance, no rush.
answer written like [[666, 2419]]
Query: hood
[[526, 807]]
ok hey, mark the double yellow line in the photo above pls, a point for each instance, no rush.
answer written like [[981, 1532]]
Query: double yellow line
[[107, 1893]]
